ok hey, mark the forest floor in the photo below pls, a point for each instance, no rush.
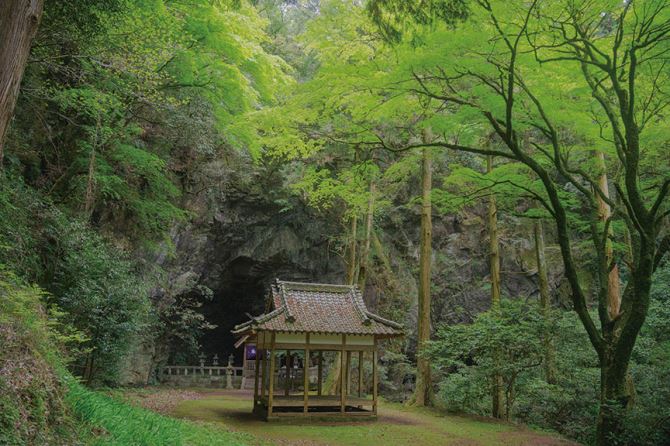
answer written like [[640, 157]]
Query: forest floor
[[396, 424]]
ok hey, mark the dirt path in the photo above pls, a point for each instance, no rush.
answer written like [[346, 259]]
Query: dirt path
[[396, 425]]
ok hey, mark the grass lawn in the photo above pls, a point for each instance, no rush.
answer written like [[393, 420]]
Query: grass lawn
[[396, 425], [114, 423]]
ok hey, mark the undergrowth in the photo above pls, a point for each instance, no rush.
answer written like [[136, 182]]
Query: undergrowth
[[117, 423], [41, 403]]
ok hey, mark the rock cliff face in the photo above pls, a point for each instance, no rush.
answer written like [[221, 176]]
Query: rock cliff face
[[245, 237]]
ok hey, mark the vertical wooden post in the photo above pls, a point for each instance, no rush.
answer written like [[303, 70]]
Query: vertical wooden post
[[305, 376], [271, 373], [319, 372], [263, 374], [256, 373], [375, 378], [343, 390], [287, 378], [347, 373], [360, 373]]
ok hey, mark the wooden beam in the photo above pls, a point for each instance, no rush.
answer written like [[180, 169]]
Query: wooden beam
[[360, 373], [343, 393], [305, 377], [375, 379], [326, 347], [319, 372], [272, 375], [287, 377]]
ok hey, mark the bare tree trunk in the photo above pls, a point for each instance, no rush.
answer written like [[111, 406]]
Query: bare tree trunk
[[423, 395], [332, 382], [605, 213], [89, 199], [351, 263], [365, 251], [19, 20], [497, 406], [549, 352]]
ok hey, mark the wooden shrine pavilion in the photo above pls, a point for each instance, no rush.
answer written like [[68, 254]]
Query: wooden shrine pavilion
[[303, 323]]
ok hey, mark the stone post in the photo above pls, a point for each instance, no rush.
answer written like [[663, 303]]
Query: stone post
[[201, 358], [229, 372]]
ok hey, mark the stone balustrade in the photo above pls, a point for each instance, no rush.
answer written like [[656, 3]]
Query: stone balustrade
[[228, 376]]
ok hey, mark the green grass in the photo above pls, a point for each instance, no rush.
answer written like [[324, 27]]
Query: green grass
[[115, 423], [396, 425]]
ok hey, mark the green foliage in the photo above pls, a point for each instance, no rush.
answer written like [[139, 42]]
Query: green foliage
[[104, 297], [464, 355], [397, 18], [120, 424], [505, 342], [32, 410], [97, 296], [179, 324], [109, 83]]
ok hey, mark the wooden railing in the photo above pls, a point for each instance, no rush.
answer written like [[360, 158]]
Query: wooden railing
[[186, 370]]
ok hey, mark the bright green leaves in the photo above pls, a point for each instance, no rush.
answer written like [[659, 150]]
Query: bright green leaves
[[120, 108], [324, 189], [226, 62], [123, 175]]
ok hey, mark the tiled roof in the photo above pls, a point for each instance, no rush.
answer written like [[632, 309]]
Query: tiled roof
[[319, 308]]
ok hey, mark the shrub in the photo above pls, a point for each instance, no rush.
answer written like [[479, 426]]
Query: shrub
[[32, 410]]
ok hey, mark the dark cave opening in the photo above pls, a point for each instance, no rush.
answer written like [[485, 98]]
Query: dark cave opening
[[242, 289]]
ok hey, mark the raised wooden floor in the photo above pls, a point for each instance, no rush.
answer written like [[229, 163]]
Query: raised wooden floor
[[317, 406]]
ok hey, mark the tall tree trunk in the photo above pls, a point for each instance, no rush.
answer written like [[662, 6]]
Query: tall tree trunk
[[19, 20], [614, 397], [332, 383], [351, 262], [89, 199], [497, 406], [545, 304], [604, 214], [365, 250], [424, 394]]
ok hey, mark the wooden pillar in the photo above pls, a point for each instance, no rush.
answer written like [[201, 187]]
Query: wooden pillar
[[343, 392], [319, 372], [263, 373], [360, 373], [347, 373], [305, 377], [287, 378], [271, 373], [375, 378], [256, 373]]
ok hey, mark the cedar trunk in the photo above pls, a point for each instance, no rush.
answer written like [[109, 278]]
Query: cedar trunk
[[351, 262], [19, 20], [423, 394], [545, 304], [497, 404], [332, 384], [365, 250]]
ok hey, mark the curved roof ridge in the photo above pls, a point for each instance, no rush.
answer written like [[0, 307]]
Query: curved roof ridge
[[285, 305], [384, 321], [258, 319], [359, 304], [307, 286]]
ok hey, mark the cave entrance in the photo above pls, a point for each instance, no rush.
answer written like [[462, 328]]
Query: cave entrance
[[241, 290]]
